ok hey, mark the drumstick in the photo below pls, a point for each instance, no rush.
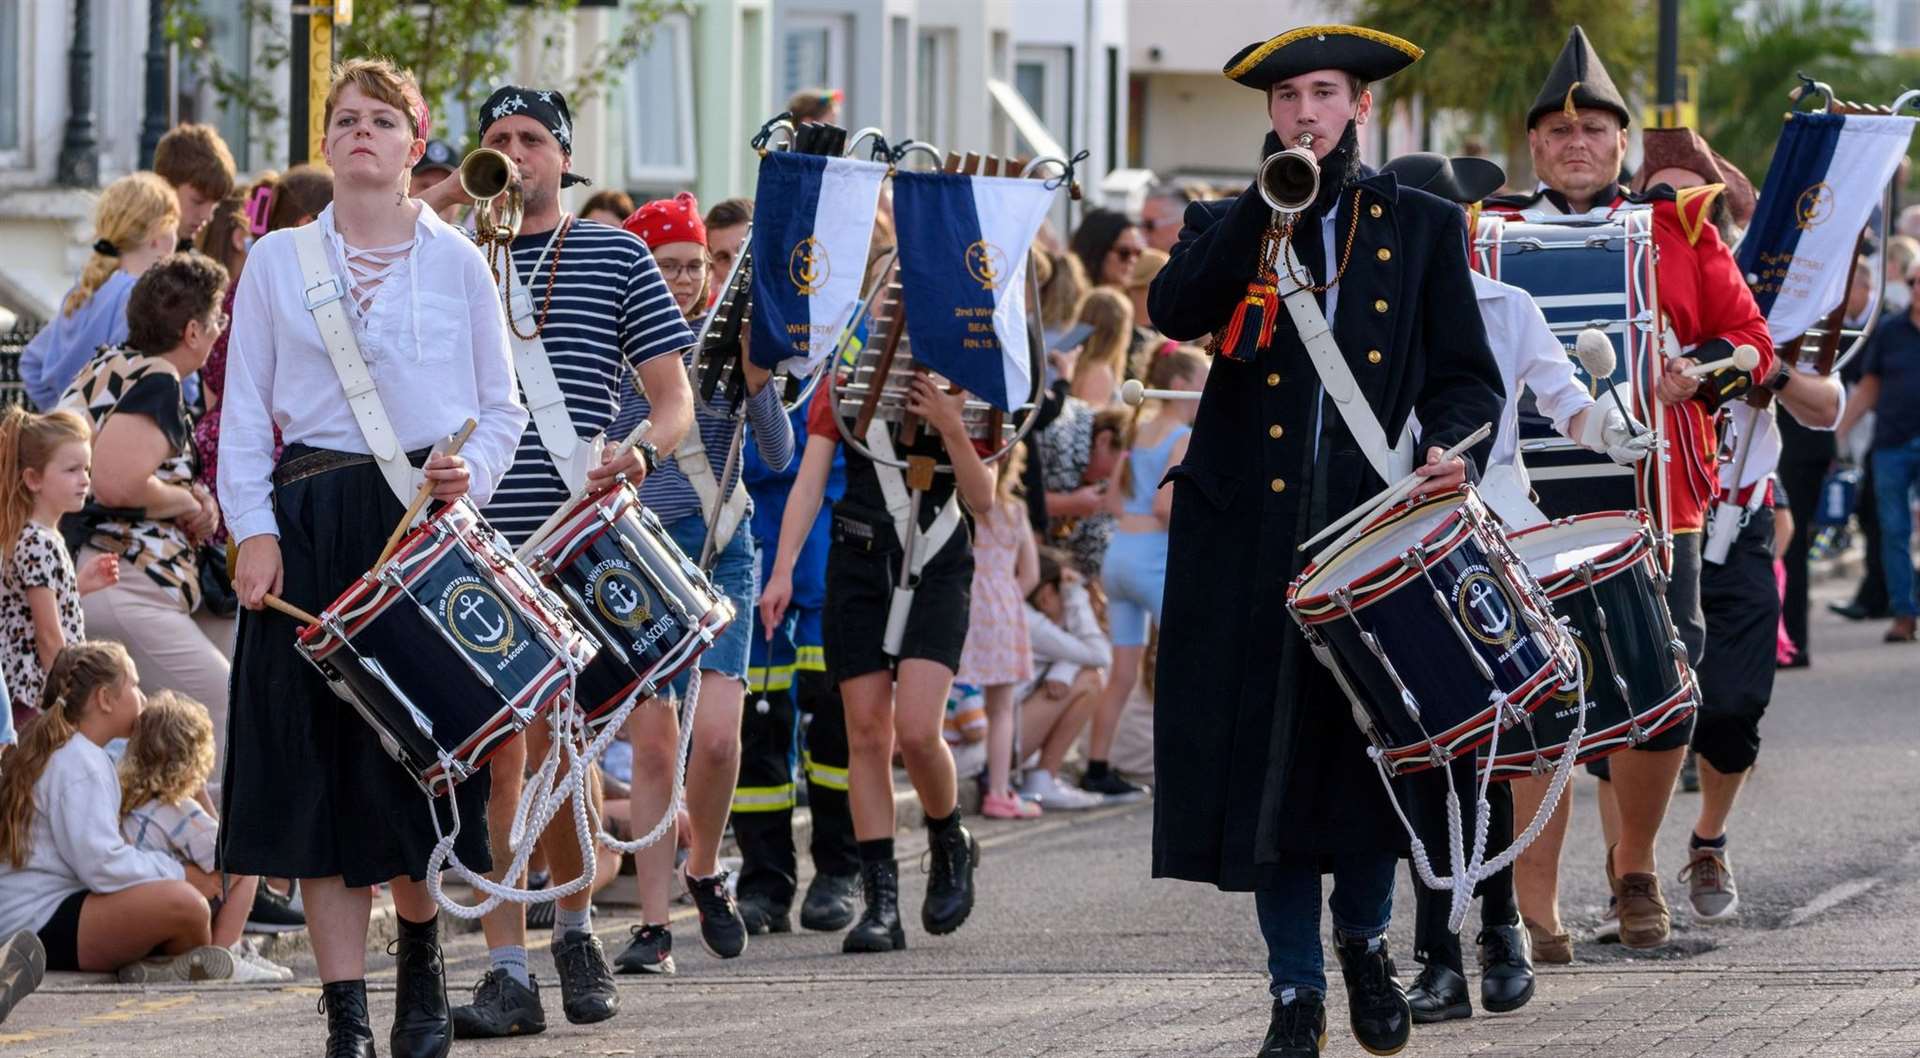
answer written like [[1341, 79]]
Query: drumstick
[[1133, 394], [289, 609], [1391, 495], [420, 499], [1596, 354], [1745, 358], [554, 519]]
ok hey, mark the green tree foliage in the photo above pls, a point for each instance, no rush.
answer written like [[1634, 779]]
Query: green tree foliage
[[1487, 58], [457, 49], [1752, 55]]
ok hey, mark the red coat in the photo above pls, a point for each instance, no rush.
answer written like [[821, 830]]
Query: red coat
[[1703, 298]]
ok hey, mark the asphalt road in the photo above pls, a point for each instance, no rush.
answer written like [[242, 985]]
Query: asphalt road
[[1074, 950]]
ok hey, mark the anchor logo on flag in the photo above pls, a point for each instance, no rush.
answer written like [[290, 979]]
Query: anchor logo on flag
[[808, 266], [986, 263], [1814, 207]]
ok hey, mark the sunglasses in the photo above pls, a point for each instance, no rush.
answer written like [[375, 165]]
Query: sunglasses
[[1127, 254]]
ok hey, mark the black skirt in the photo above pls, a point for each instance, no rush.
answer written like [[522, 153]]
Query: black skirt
[[309, 792]]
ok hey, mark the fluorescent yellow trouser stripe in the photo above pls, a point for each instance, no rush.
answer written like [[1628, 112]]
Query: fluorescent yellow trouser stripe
[[770, 678], [811, 659], [763, 798], [825, 775]]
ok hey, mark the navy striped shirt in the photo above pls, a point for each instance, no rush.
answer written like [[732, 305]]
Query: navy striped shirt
[[611, 312]]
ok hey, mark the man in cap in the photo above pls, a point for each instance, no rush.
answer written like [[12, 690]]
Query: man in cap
[[1577, 135], [596, 308], [1528, 355], [1264, 780]]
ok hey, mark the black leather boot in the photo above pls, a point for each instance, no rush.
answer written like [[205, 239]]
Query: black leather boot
[[1506, 968], [1297, 1029], [1376, 1005], [348, 1033], [1438, 994], [879, 927], [422, 1022], [950, 882]]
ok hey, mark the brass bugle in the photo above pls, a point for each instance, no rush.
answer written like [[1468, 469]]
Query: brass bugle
[[1289, 180], [493, 182]]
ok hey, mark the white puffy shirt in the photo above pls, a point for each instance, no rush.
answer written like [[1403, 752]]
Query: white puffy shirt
[[1529, 355], [434, 340], [74, 842]]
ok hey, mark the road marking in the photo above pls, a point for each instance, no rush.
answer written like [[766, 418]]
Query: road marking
[[1830, 899]]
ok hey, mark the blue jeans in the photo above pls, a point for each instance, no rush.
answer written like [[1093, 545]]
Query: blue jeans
[[736, 572], [1289, 910], [1895, 472]]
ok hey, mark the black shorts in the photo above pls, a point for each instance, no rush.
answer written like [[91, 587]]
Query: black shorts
[[859, 589], [61, 935], [1742, 604]]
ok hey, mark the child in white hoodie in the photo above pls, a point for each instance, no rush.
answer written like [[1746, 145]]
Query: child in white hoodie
[[1070, 650], [97, 903]]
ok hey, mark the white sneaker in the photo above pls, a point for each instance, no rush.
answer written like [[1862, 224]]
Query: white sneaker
[[1053, 795], [251, 963], [205, 963]]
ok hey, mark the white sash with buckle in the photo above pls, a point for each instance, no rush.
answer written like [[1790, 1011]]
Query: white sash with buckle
[[323, 295], [1391, 462], [723, 518], [546, 403], [920, 545]]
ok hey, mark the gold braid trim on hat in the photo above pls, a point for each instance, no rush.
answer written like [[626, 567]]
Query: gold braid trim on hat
[[1693, 204], [1259, 54], [1567, 107]]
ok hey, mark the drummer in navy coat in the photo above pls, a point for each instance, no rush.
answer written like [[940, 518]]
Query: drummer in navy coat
[[1263, 775]]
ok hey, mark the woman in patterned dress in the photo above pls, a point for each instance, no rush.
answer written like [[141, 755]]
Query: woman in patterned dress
[[997, 656]]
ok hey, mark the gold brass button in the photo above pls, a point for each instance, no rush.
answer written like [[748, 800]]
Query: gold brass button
[[1273, 380], [1384, 254], [1374, 211], [1275, 431], [1278, 485], [1373, 356], [1380, 305]]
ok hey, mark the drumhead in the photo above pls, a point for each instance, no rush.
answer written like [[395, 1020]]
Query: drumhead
[[1557, 547], [1393, 535]]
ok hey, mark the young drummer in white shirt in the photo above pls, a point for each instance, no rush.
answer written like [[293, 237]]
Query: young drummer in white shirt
[[309, 792]]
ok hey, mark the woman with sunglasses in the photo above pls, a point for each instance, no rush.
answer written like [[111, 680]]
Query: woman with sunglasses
[[1108, 244]]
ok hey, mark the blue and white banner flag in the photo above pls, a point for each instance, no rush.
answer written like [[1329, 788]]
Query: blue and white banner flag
[[1828, 174], [963, 273], [812, 222]]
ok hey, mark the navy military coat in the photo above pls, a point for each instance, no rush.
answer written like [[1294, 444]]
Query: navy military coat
[[1257, 757]]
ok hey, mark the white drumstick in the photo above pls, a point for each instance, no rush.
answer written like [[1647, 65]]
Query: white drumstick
[[1391, 495], [554, 519], [1134, 394], [1595, 353], [1745, 358]]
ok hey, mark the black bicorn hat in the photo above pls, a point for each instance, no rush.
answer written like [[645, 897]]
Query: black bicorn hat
[[1465, 180], [1579, 79], [1366, 53]]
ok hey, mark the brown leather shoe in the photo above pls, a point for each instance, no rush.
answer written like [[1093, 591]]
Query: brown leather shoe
[[1644, 919], [1555, 948], [1903, 630]]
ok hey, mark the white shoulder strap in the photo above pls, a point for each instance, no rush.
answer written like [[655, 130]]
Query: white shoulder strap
[[323, 293], [546, 402], [692, 457], [1389, 461], [893, 485]]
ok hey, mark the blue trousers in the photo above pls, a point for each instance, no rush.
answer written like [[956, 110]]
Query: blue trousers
[[1895, 473], [1289, 910]]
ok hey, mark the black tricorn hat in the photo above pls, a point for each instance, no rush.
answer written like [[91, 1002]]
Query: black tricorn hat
[[1579, 79], [1465, 180], [1366, 53]]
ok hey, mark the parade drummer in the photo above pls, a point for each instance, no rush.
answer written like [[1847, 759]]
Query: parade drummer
[[1577, 134], [1262, 785]]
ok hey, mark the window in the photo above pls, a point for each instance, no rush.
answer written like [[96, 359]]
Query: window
[[1044, 78], [660, 107], [934, 88], [815, 54], [13, 82]]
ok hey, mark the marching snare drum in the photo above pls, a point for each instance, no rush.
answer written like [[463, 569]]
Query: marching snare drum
[[1584, 273], [651, 609], [449, 649], [1598, 570], [1434, 629]]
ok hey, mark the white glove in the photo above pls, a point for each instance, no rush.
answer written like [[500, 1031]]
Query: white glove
[[1610, 431]]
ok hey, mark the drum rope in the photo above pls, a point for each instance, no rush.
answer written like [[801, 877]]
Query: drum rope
[[541, 800], [1469, 871]]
